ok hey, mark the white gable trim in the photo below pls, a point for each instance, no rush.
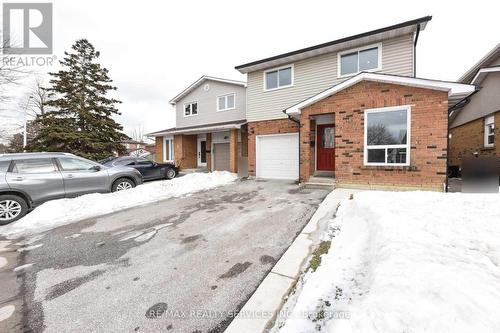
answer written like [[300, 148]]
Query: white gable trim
[[481, 74], [200, 81], [453, 89]]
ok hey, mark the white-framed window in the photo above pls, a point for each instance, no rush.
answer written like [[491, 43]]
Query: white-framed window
[[226, 102], [489, 131], [387, 136], [168, 149], [278, 78], [366, 59], [190, 109]]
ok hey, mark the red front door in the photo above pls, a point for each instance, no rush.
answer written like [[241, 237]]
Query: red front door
[[325, 143]]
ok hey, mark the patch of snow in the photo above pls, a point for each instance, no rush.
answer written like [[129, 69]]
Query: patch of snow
[[29, 248], [6, 312], [146, 236], [131, 235], [161, 226], [4, 246], [22, 267], [405, 262], [73, 236], [65, 211], [3, 262]]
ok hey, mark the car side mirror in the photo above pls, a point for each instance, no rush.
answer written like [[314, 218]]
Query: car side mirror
[[96, 168], [155, 164]]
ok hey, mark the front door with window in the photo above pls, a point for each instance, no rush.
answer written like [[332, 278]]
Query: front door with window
[[202, 152], [325, 144]]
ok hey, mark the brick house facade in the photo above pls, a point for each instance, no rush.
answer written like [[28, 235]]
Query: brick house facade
[[429, 121]]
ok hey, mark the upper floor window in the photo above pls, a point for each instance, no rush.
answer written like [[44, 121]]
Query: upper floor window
[[354, 61], [387, 139], [190, 109], [278, 78], [489, 131], [226, 102]]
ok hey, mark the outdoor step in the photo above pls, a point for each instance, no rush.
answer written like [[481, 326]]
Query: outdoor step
[[319, 185], [323, 180]]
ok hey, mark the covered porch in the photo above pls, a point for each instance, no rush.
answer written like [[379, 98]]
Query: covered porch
[[216, 147]]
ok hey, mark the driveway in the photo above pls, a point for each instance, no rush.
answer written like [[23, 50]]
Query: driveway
[[181, 265]]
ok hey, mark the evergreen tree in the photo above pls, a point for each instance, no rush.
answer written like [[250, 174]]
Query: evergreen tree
[[80, 120]]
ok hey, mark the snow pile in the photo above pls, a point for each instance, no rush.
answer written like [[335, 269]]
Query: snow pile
[[64, 211], [406, 262]]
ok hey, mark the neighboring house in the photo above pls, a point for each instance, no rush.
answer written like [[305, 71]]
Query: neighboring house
[[133, 147], [351, 109], [475, 123], [210, 132]]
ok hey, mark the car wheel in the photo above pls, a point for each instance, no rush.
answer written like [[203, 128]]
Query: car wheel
[[170, 173], [12, 208], [122, 184]]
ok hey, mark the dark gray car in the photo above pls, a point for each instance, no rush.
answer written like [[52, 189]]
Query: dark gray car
[[29, 179]]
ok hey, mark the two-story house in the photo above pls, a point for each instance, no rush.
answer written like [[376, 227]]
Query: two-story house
[[351, 109], [210, 132], [475, 123]]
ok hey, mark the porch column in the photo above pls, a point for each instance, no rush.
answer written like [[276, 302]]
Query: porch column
[[159, 149], [233, 150], [209, 151]]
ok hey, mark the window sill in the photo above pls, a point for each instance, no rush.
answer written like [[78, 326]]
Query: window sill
[[280, 88], [223, 110], [488, 148], [389, 167]]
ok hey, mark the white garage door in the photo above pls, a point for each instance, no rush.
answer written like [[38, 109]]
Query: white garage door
[[278, 156]]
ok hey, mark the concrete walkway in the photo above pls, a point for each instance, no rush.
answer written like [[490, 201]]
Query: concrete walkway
[[259, 313]]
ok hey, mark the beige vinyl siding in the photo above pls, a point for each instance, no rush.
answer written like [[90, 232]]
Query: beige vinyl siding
[[316, 74], [485, 102], [207, 104]]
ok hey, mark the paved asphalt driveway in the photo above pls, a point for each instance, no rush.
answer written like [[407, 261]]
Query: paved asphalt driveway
[[199, 257]]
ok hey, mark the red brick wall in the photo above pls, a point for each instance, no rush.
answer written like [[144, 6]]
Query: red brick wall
[[185, 151], [262, 128], [429, 121], [469, 138], [159, 149]]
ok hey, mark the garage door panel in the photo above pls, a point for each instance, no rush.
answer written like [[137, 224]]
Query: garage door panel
[[278, 156]]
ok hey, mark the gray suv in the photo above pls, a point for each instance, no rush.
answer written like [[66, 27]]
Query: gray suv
[[29, 179]]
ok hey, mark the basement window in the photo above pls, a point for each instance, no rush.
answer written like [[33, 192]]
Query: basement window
[[387, 136]]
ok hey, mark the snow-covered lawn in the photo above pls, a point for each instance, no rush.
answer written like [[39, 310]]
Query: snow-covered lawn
[[405, 262], [64, 211]]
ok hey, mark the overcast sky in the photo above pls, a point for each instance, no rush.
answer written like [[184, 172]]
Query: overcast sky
[[154, 49]]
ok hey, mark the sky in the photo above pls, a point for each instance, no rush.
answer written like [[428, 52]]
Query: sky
[[155, 49]]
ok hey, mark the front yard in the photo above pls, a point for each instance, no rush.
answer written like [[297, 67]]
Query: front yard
[[404, 262]]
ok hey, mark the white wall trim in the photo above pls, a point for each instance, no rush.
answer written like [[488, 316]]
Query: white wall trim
[[454, 89]]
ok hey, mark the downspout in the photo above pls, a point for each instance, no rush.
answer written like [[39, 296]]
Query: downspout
[[298, 123], [415, 51]]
